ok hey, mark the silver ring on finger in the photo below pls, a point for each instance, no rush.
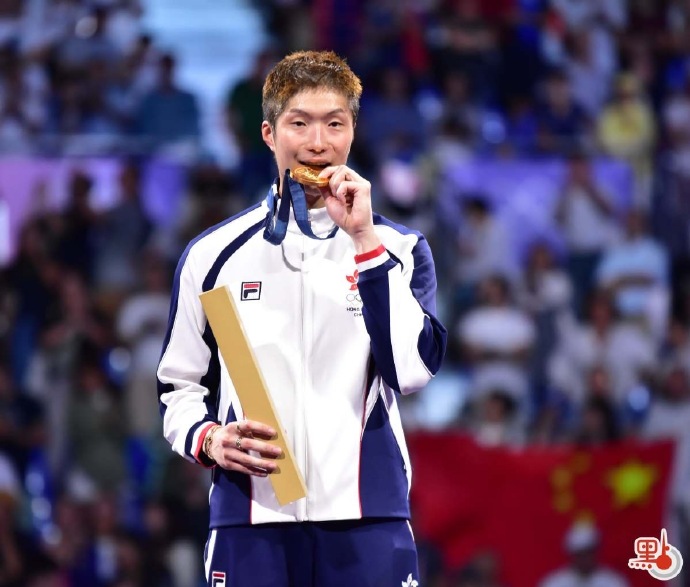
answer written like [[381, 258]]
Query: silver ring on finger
[[238, 443]]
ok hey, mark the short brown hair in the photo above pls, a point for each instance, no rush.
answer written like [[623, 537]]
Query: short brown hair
[[308, 69]]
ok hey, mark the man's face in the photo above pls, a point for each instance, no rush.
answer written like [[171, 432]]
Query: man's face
[[316, 128]]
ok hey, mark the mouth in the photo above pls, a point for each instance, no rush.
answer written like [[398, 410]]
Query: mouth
[[315, 164]]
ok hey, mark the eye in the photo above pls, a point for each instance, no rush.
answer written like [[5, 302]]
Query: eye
[[336, 123]]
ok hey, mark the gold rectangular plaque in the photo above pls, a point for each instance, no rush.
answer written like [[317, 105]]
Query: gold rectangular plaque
[[249, 383]]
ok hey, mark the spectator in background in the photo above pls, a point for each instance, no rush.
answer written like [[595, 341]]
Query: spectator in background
[[244, 116], [141, 324], [589, 79], [88, 42], [71, 550], [391, 125], [337, 25], [48, 24], [586, 215], [545, 293], [676, 346], [582, 544], [96, 430], [635, 272], [598, 423], [124, 23], [175, 557], [137, 565], [458, 102], [390, 35], [483, 247], [33, 279], [451, 144], [23, 90], [675, 118], [213, 197], [103, 518], [497, 338], [99, 120], [168, 115], [66, 104], [124, 231], [76, 241], [626, 352], [627, 130], [22, 427], [71, 328], [562, 124], [122, 95], [668, 418], [604, 19], [595, 420], [494, 419], [10, 13], [465, 41], [671, 210], [143, 65], [521, 61], [521, 126], [184, 490]]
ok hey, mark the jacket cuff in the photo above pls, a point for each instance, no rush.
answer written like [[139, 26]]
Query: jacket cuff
[[371, 259], [199, 454]]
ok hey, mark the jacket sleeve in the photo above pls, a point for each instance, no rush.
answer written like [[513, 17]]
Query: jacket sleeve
[[407, 340], [189, 370]]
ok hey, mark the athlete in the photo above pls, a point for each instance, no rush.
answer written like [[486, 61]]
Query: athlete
[[338, 304]]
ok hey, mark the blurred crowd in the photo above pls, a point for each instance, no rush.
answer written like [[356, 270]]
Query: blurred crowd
[[583, 337], [82, 77]]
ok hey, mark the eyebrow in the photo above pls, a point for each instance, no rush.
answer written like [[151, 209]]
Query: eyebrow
[[305, 113]]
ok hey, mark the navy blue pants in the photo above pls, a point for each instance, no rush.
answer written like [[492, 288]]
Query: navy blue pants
[[375, 553]]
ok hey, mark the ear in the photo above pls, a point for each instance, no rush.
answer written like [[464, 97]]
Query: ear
[[267, 135]]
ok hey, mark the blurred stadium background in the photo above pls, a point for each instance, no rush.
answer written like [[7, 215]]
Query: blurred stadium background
[[542, 146]]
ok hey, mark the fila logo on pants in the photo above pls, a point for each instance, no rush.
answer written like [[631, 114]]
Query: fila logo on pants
[[217, 579]]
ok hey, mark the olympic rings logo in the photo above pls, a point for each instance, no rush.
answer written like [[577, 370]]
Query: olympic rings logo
[[352, 297]]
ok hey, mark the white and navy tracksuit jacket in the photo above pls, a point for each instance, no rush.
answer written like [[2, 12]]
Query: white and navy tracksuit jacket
[[335, 341]]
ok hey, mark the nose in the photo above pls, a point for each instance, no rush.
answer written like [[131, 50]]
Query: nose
[[316, 139]]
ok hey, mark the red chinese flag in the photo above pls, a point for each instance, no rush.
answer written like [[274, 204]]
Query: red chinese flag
[[519, 503]]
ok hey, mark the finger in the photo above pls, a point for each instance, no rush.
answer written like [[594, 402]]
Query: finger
[[232, 466], [254, 428], [337, 174], [252, 462], [231, 458], [347, 188], [352, 174], [329, 171], [261, 447], [326, 191], [341, 174]]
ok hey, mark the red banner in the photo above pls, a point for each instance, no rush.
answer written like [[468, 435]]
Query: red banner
[[519, 503]]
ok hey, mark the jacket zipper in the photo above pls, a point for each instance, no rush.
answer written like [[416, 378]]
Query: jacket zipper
[[302, 511]]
